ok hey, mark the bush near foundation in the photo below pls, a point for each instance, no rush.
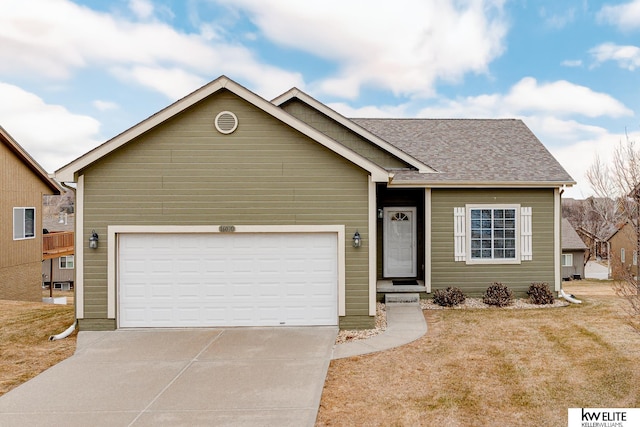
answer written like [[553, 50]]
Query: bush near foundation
[[498, 294], [449, 297], [539, 293]]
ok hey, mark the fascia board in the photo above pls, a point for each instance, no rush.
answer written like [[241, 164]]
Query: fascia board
[[376, 140], [480, 184], [67, 173]]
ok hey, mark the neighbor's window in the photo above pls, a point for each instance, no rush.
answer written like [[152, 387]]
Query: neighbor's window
[[66, 262], [622, 255], [24, 223], [567, 260], [493, 233]]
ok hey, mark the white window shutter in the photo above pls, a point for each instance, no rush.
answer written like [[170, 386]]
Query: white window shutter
[[526, 235], [459, 239]]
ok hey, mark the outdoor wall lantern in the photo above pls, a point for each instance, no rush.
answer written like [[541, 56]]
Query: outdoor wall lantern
[[380, 213], [93, 240], [357, 241]]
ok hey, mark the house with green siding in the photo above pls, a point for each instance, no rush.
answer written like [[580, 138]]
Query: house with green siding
[[226, 209]]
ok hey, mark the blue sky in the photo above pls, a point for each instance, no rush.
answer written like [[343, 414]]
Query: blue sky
[[73, 74]]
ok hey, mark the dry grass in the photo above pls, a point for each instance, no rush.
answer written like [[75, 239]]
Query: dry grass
[[494, 367], [25, 348]]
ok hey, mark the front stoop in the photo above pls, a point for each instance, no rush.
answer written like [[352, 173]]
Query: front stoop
[[402, 299]]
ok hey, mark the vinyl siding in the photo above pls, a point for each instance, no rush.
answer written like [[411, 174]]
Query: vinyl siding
[[20, 260], [183, 172], [474, 279], [345, 136]]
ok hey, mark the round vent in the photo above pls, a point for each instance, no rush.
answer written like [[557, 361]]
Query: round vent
[[226, 122]]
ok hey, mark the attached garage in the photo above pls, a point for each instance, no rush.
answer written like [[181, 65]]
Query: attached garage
[[210, 279]]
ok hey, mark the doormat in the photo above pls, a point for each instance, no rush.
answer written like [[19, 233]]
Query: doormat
[[405, 282]]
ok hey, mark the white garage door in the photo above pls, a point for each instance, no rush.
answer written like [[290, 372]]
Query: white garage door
[[236, 279]]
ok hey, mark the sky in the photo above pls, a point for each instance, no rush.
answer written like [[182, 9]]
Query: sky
[[74, 74]]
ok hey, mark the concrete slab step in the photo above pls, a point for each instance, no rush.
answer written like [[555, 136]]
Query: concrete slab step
[[403, 299]]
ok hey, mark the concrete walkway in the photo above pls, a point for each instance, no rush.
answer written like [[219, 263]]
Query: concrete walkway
[[405, 323]]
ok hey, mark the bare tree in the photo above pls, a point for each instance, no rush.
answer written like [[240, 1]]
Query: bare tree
[[619, 182]]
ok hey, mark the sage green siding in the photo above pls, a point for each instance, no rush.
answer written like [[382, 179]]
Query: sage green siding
[[329, 127], [474, 279], [183, 172]]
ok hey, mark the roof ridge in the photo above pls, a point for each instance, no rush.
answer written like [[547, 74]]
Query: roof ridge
[[435, 118]]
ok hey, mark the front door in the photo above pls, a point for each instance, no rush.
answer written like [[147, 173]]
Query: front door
[[400, 243]]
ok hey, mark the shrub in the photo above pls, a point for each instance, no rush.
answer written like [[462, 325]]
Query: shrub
[[539, 293], [449, 297], [498, 294]]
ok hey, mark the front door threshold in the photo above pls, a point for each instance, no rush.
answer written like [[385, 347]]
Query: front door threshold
[[387, 286]]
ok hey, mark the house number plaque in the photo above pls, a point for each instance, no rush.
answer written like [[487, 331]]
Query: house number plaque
[[227, 228]]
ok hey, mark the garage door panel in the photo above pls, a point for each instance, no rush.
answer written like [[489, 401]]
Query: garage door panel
[[235, 279]]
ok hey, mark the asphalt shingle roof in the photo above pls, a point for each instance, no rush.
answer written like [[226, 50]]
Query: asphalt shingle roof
[[470, 150], [570, 239]]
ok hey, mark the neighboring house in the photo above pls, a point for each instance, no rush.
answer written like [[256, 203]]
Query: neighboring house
[[58, 261], [225, 209], [23, 183], [574, 252], [623, 259], [591, 218]]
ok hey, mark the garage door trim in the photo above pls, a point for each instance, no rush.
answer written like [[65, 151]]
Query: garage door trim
[[114, 230]]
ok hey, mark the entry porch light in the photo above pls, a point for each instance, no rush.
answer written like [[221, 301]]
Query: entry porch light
[[357, 241], [93, 240]]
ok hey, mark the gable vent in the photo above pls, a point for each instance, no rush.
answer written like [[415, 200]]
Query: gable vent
[[226, 122]]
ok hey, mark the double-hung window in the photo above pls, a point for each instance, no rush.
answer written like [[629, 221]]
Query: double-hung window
[[24, 223], [498, 234]]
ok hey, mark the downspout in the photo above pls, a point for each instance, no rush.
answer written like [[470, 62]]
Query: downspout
[[569, 297], [64, 334]]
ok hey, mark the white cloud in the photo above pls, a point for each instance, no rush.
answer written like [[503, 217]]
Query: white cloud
[[578, 157], [54, 38], [559, 98], [143, 9], [51, 134], [625, 16], [105, 105], [627, 57], [571, 63], [173, 83], [386, 111], [381, 44], [562, 97], [558, 20]]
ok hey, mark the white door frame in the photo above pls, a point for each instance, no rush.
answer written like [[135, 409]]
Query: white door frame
[[414, 240]]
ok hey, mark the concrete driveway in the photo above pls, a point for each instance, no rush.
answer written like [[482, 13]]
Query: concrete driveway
[[235, 376]]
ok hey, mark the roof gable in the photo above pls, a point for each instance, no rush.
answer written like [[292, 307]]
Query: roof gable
[[570, 238], [28, 161], [394, 150], [68, 172]]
